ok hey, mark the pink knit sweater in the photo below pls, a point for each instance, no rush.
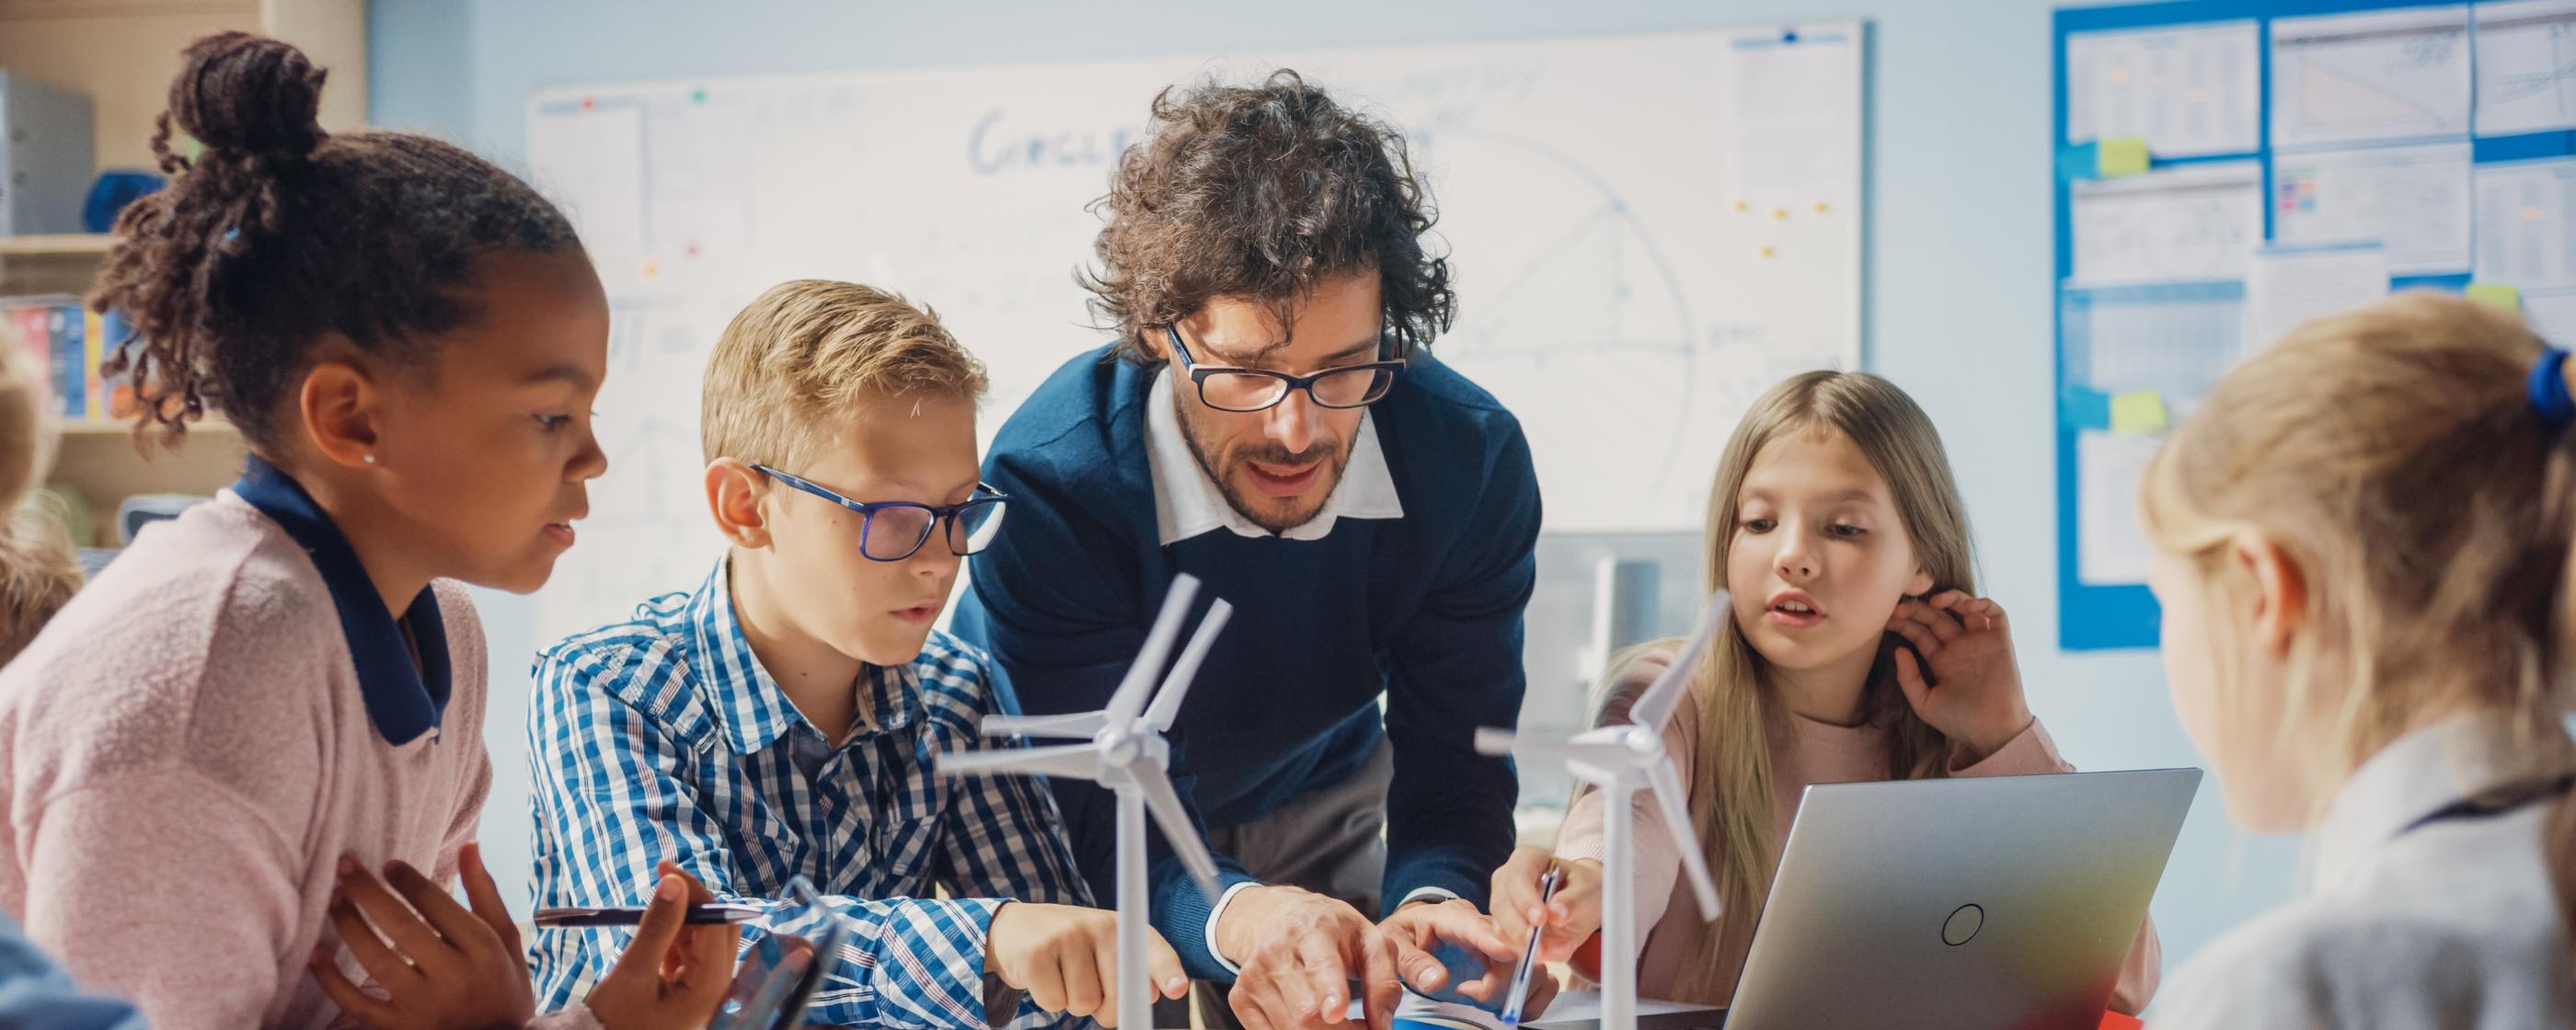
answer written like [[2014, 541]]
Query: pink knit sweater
[[184, 757], [1803, 752]]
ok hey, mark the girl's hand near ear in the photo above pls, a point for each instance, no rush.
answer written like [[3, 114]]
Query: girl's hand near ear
[[1571, 915], [1973, 694]]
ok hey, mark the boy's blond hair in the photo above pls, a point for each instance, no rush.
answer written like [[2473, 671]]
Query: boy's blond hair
[[795, 360]]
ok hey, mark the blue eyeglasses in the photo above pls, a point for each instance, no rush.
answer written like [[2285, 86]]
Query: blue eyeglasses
[[896, 530]]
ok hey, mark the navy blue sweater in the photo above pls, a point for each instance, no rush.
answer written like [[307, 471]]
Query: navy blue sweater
[[1424, 611]]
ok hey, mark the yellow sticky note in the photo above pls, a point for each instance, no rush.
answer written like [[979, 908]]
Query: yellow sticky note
[[2120, 155], [2498, 294], [2139, 412]]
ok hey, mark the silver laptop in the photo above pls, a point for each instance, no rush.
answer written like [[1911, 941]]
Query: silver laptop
[[1979, 903]]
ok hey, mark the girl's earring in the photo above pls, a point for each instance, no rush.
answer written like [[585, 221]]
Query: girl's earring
[[370, 457]]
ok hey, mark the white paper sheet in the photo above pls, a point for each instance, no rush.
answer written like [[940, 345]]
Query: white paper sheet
[[2383, 75], [2284, 288], [2114, 549], [2552, 313], [590, 160], [2187, 91], [2186, 224], [1795, 99], [2174, 339], [2526, 66], [2524, 235], [2414, 200]]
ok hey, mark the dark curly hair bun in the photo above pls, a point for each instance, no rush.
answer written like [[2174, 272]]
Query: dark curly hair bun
[[249, 93], [279, 233]]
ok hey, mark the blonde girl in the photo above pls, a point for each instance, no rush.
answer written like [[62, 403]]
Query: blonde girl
[[2362, 553], [1836, 527]]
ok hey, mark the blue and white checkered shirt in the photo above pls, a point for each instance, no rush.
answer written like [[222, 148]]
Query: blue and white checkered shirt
[[664, 738]]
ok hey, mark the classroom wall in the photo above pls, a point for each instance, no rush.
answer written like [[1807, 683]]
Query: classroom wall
[[1958, 269]]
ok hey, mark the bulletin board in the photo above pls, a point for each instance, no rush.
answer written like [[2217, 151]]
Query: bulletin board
[[2226, 170]]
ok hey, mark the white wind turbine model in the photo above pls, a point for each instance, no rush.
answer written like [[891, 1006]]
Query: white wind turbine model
[[1620, 761], [1127, 754]]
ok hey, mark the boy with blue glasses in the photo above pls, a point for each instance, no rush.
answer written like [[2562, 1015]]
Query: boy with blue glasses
[[782, 720]]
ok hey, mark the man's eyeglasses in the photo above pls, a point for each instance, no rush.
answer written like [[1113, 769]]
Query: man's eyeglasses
[[895, 530], [1253, 389]]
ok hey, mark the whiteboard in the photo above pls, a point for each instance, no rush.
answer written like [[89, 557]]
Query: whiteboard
[[1645, 232]]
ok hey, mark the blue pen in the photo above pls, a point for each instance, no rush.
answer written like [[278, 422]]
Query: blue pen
[[1529, 952]]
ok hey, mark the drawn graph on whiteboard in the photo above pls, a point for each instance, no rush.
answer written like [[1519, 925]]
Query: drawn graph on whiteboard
[[1572, 317], [2392, 75]]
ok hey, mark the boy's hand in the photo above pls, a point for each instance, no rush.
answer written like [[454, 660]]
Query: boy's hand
[[672, 974], [1571, 915], [1975, 697], [1066, 957], [439, 965]]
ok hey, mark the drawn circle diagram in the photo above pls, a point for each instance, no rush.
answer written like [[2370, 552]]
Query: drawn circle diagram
[[1571, 316]]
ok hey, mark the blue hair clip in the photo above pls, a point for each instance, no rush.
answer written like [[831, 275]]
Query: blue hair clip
[[2548, 388]]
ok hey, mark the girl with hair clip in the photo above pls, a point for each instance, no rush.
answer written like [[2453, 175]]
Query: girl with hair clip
[[2363, 553], [212, 750], [1837, 529]]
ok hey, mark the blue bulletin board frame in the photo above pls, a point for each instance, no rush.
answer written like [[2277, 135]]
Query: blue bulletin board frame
[[2101, 616]]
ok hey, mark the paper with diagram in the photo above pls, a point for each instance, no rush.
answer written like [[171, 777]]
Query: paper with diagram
[[2378, 75], [2526, 66], [2414, 200], [2193, 223]]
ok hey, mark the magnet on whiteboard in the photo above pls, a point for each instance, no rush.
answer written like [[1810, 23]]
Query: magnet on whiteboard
[[1767, 252], [1780, 213]]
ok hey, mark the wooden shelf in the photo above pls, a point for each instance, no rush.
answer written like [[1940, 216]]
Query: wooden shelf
[[125, 430], [104, 464], [81, 244]]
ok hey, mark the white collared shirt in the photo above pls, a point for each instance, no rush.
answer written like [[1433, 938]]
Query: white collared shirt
[[2451, 923], [1188, 504]]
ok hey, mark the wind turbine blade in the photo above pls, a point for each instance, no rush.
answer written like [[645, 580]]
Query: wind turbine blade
[[1665, 783], [1077, 724], [1079, 761], [1165, 804], [1657, 703], [1130, 698], [1167, 698], [1607, 755]]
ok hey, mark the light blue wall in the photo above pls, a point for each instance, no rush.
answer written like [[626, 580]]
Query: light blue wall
[[1958, 265]]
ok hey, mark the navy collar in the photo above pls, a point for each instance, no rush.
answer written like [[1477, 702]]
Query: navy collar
[[404, 700]]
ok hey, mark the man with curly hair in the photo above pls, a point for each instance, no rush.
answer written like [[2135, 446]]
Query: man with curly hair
[[1271, 420]]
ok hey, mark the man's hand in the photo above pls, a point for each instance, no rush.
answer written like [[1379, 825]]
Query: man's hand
[[1299, 952], [1449, 951]]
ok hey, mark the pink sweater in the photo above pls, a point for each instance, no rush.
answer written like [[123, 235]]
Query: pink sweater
[[1803, 752], [184, 757]]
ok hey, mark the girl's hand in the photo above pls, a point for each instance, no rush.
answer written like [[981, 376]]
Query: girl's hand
[[439, 965], [1570, 917], [1974, 695], [672, 974]]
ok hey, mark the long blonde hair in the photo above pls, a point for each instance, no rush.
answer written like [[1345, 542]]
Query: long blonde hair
[[1730, 800], [2392, 454]]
